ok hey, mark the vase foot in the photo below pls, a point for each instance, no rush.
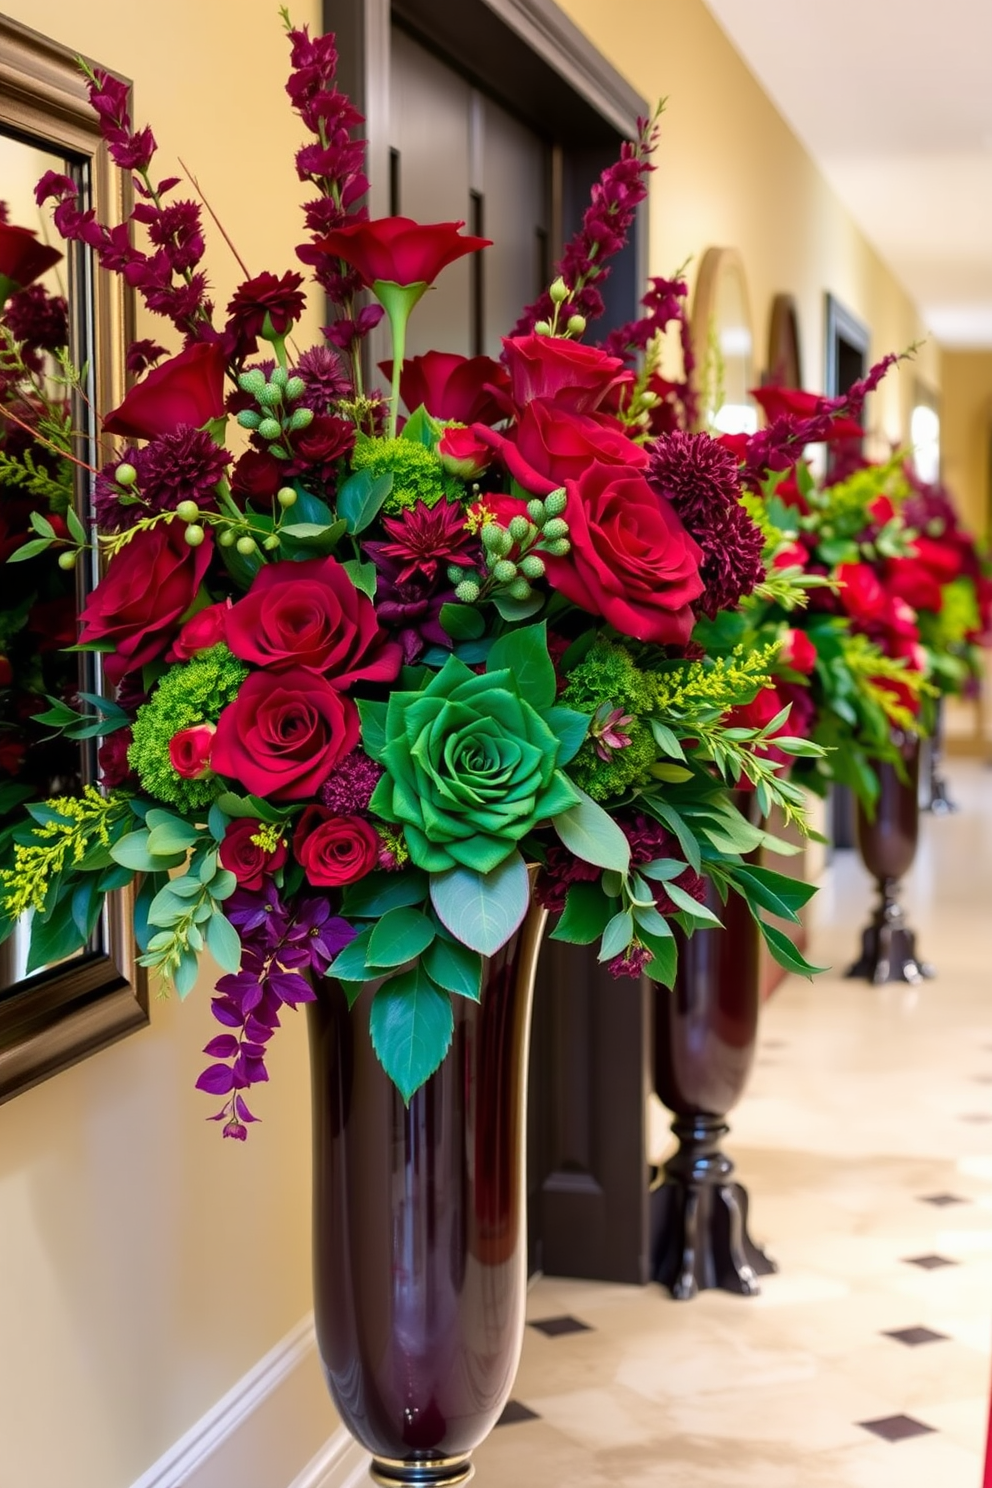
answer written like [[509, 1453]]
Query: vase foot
[[888, 954], [699, 1237], [441, 1473], [940, 803]]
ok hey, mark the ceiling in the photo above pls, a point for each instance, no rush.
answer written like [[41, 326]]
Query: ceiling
[[893, 99]]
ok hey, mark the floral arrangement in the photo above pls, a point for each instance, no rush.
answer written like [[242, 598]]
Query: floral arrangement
[[377, 679], [38, 616]]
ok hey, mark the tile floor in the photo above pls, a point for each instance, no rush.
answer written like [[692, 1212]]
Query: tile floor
[[864, 1141]]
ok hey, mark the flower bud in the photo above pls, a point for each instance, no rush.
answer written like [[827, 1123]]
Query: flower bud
[[542, 328], [555, 503], [519, 589], [555, 528], [536, 512], [246, 546], [492, 537], [504, 571], [302, 418], [187, 511], [227, 538], [455, 574], [249, 419], [559, 291], [532, 567], [252, 381], [295, 388], [519, 528], [67, 560], [280, 377], [271, 542], [269, 396], [559, 547], [269, 428], [286, 496], [576, 325], [189, 751], [194, 535], [467, 591], [125, 474]]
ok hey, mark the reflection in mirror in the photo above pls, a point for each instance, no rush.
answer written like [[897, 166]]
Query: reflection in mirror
[[723, 343], [38, 596]]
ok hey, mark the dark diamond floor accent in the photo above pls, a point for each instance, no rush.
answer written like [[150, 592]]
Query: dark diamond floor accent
[[941, 1200], [514, 1411], [913, 1337], [556, 1327], [929, 1262], [896, 1428]]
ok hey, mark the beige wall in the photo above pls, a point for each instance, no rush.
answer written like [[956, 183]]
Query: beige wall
[[730, 173], [966, 429], [145, 1265]]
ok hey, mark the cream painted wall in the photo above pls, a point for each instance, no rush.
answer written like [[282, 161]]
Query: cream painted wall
[[731, 173], [966, 429], [145, 1265]]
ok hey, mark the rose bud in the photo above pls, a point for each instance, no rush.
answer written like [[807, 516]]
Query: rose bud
[[463, 453], [204, 629], [189, 750], [798, 652]]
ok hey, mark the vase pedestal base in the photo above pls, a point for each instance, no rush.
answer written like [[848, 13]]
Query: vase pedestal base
[[940, 803], [888, 947], [441, 1473], [699, 1238]]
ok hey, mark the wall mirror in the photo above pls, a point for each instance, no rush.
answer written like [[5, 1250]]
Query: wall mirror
[[52, 296], [723, 344], [784, 365]]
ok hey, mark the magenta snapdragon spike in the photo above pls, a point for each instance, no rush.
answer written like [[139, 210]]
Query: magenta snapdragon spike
[[607, 221], [665, 303]]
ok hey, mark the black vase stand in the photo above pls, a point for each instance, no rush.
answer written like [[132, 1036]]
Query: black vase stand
[[888, 945], [699, 1238]]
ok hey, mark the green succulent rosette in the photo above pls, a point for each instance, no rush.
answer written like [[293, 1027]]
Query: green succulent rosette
[[472, 765]]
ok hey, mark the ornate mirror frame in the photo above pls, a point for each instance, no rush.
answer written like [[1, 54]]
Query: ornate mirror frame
[[53, 1018]]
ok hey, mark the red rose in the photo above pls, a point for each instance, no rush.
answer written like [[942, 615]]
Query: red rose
[[631, 560], [463, 453], [792, 555], [944, 558], [247, 859], [112, 758], [798, 652], [465, 390], [190, 751], [881, 509], [311, 615], [558, 446], [911, 580], [862, 594], [399, 250], [325, 440], [334, 850], [188, 389], [22, 258], [574, 376], [137, 606], [204, 629], [283, 734], [257, 476]]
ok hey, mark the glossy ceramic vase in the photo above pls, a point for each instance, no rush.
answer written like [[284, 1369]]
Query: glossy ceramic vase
[[420, 1233], [704, 1040], [887, 843]]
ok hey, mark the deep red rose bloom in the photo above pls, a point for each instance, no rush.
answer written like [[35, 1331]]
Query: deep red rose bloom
[[792, 555], [283, 734], [571, 375], [464, 454], [190, 751], [943, 557], [204, 629], [247, 860], [22, 258], [881, 509], [257, 476], [779, 402], [555, 446], [325, 440], [862, 594], [137, 606], [465, 390], [334, 850], [264, 295], [631, 561], [911, 580], [310, 615], [400, 250], [187, 389], [798, 651]]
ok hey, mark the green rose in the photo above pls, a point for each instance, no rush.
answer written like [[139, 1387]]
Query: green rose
[[471, 768]]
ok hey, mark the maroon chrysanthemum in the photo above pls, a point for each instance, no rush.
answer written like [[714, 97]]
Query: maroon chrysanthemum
[[561, 869], [280, 301], [184, 466], [349, 789], [700, 478], [324, 379], [37, 319], [425, 538]]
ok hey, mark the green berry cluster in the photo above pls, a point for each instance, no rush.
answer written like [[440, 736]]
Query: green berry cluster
[[559, 295], [275, 420], [512, 554]]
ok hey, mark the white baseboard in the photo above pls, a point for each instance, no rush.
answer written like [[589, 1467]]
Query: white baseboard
[[256, 1434]]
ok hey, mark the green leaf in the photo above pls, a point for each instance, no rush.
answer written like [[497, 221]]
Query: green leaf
[[673, 820], [42, 525], [411, 1025], [399, 936], [76, 529], [653, 921], [666, 740], [364, 576], [786, 954], [454, 967], [585, 916], [377, 893], [224, 943], [184, 977], [482, 910], [349, 965], [691, 906], [776, 892], [169, 834], [461, 622], [525, 653], [360, 498], [240, 806], [421, 428], [54, 938], [132, 852], [150, 888], [25, 551], [300, 540], [617, 936], [665, 956], [570, 728], [373, 720], [663, 870], [515, 610], [222, 885], [592, 835]]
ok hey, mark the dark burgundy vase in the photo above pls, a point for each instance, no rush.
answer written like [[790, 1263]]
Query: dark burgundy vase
[[704, 1040], [420, 1234], [887, 843]]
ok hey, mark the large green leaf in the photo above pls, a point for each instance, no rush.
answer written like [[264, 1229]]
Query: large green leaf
[[776, 892], [617, 936], [411, 1025], [525, 653], [223, 942], [569, 728], [361, 496], [461, 622], [586, 914], [373, 895], [454, 967], [400, 935], [786, 954], [592, 835], [350, 964], [665, 956], [482, 910]]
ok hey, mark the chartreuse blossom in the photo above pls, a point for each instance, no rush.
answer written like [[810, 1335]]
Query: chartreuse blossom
[[608, 675], [67, 829], [196, 692], [417, 472]]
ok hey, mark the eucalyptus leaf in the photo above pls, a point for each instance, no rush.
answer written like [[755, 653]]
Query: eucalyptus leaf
[[223, 942], [482, 910]]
